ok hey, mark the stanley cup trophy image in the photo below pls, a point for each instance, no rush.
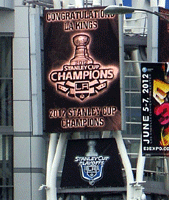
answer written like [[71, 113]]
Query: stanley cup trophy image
[[81, 56], [91, 149]]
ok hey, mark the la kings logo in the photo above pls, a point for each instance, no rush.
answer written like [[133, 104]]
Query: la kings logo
[[91, 165], [82, 78]]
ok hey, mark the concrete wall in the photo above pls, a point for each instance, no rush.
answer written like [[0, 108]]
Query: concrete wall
[[6, 22], [8, 4], [29, 145]]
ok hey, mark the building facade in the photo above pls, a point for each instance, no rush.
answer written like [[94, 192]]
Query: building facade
[[23, 140]]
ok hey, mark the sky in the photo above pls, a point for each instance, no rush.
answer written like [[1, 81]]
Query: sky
[[127, 2]]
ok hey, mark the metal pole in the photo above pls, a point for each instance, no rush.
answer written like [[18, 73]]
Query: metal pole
[[117, 135], [140, 174], [140, 165], [166, 171], [55, 166], [126, 163], [153, 3], [51, 153], [162, 3], [152, 36], [122, 82], [56, 4]]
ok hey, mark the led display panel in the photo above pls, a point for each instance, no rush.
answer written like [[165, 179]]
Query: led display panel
[[82, 84], [92, 163]]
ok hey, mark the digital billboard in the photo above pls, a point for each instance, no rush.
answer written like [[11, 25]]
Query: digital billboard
[[82, 84], [92, 163], [155, 108]]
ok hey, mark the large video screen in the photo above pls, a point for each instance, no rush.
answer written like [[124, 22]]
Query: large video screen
[[82, 70]]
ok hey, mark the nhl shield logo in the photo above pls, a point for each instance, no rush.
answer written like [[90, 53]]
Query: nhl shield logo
[[91, 165], [91, 173]]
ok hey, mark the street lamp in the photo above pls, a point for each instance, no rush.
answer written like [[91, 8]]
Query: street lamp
[[134, 189], [114, 9]]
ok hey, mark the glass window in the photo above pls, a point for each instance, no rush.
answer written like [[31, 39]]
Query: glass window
[[132, 68], [6, 142], [133, 129], [132, 146], [133, 114], [6, 81], [154, 169], [133, 99], [6, 173], [132, 83]]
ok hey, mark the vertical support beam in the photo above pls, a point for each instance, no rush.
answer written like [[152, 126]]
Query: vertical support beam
[[52, 186], [139, 22], [140, 165], [56, 4], [153, 3], [97, 3], [35, 70], [126, 163], [162, 3], [166, 173], [51, 153], [140, 173], [152, 37], [78, 4], [122, 81], [118, 2], [117, 135], [131, 190]]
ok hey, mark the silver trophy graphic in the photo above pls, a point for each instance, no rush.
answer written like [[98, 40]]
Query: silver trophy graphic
[[91, 149], [81, 56]]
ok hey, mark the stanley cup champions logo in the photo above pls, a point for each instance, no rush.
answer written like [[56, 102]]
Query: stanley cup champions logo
[[82, 78], [91, 165]]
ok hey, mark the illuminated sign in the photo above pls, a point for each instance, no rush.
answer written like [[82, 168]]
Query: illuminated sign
[[155, 108], [82, 78], [82, 70], [92, 163]]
